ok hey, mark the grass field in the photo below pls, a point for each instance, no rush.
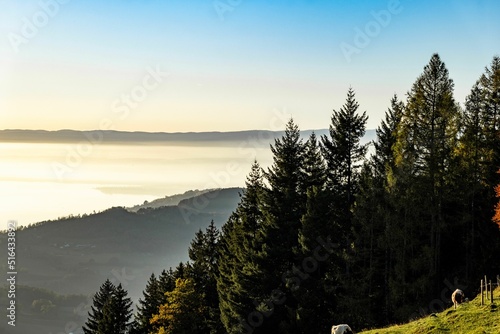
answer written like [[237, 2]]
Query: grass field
[[469, 317]]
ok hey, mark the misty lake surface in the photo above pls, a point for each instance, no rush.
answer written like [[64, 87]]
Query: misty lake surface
[[41, 181]]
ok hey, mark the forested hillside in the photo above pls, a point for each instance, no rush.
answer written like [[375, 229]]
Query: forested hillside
[[328, 235], [74, 255]]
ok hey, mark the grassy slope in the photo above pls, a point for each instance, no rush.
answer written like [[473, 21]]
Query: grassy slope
[[468, 318]]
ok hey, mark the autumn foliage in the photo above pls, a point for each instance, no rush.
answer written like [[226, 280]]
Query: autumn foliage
[[496, 218]]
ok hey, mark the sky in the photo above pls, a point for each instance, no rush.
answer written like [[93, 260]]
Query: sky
[[227, 65]]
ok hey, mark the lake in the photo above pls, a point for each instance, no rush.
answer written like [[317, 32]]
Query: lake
[[42, 181]]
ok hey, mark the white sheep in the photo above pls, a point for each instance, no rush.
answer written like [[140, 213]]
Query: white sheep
[[457, 297], [341, 329]]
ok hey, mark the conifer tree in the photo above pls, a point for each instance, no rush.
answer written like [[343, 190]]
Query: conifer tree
[[283, 208], [425, 162], [239, 279], [153, 297], [367, 258], [475, 163], [487, 245], [314, 303], [344, 155], [314, 219], [100, 301], [181, 271], [374, 222], [204, 254], [316, 300], [314, 168], [386, 139], [122, 311], [166, 280], [490, 87], [284, 202], [384, 199], [110, 312]]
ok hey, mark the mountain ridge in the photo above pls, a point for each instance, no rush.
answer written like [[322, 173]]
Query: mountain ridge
[[114, 136]]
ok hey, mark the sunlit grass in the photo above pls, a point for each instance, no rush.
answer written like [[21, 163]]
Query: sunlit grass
[[469, 317]]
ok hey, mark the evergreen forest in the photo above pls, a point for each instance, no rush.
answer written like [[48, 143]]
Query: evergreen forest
[[335, 231]]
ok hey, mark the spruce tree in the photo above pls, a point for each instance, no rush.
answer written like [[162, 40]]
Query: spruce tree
[[384, 225], [166, 280], [344, 155], [100, 301], [475, 162], [386, 139], [122, 311], [480, 154], [285, 199], [284, 206], [110, 312], [490, 87], [239, 280], [204, 254], [314, 303], [373, 224], [153, 297], [314, 168]]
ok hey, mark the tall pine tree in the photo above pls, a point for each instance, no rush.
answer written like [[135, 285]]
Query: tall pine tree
[[284, 206], [344, 155], [240, 275], [110, 312], [153, 297], [425, 162], [100, 301], [204, 255], [374, 223]]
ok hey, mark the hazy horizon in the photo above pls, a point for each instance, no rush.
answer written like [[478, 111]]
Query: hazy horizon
[[44, 181], [124, 66], [50, 180]]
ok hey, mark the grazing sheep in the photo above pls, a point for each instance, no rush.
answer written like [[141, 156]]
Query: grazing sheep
[[457, 297], [342, 329]]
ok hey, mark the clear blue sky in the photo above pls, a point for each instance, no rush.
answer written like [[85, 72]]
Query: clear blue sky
[[231, 64]]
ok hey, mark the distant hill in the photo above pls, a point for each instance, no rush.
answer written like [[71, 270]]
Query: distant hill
[[76, 254], [84, 249], [169, 200], [179, 138], [110, 136]]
